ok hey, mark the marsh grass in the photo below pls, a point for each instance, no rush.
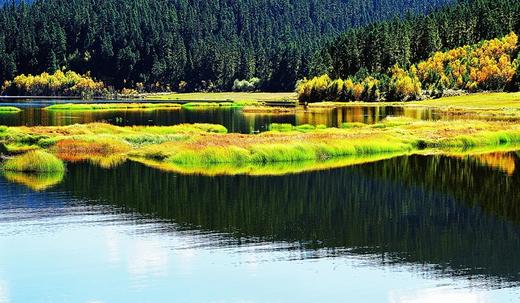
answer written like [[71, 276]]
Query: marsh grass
[[113, 107], [204, 145], [34, 162], [9, 109]]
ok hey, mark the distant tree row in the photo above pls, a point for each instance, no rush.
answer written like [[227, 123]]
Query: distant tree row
[[405, 41], [488, 65], [181, 44], [57, 84]]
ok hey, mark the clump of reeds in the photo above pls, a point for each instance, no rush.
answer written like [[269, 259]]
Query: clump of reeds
[[36, 161]]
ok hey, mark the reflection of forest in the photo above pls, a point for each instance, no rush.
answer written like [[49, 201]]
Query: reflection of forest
[[456, 214]]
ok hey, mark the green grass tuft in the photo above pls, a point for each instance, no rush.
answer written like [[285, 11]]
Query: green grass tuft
[[36, 162], [9, 109]]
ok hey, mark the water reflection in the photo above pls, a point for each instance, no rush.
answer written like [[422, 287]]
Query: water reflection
[[455, 216], [404, 229], [233, 119]]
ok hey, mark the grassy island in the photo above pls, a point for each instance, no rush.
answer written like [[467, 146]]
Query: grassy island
[[199, 146], [9, 109]]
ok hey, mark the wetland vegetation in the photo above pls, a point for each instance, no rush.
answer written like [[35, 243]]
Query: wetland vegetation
[[204, 145]]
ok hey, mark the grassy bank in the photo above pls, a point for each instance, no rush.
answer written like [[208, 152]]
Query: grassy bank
[[227, 96], [214, 104], [482, 101], [199, 146], [479, 105], [113, 106]]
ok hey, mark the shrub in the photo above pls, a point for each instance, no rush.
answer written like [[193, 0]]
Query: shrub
[[246, 85]]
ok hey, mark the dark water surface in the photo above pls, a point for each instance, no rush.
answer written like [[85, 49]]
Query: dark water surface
[[408, 229], [234, 120]]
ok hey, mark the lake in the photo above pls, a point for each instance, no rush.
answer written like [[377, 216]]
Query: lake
[[235, 120], [422, 228]]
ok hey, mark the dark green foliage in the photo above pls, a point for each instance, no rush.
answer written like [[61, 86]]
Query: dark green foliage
[[406, 41], [160, 43]]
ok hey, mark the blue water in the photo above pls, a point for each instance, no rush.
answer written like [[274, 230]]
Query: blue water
[[420, 232]]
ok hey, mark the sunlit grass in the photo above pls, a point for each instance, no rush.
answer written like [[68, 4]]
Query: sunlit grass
[[112, 106], [9, 109], [206, 145], [34, 162], [479, 105], [475, 101], [226, 96]]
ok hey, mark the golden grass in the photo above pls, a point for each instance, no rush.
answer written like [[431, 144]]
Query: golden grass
[[202, 146], [34, 162]]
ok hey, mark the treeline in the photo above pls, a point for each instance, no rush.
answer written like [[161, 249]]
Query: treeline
[[488, 65], [57, 84], [196, 44], [406, 41]]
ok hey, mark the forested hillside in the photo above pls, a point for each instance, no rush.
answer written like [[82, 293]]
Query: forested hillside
[[200, 44], [378, 47]]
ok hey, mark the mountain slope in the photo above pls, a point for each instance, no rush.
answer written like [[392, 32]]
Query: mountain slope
[[159, 43], [379, 46]]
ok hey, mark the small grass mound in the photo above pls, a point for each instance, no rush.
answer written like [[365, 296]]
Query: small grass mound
[[9, 109], [35, 162]]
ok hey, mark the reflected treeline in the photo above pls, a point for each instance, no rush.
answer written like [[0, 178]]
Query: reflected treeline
[[458, 215], [233, 119]]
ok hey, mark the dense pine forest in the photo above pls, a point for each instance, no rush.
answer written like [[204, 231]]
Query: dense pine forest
[[191, 45], [405, 41]]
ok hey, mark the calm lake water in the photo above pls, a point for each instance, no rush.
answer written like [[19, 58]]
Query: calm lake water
[[407, 229], [233, 119]]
